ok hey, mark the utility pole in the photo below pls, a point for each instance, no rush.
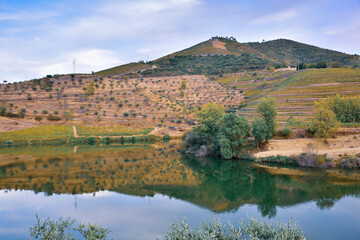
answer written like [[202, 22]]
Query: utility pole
[[74, 62]]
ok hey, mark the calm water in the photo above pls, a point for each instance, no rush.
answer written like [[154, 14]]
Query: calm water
[[137, 191]]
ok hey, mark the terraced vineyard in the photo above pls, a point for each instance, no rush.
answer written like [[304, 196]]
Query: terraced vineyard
[[295, 91], [136, 102]]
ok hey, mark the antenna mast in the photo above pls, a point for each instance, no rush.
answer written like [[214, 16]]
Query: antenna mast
[[74, 62]]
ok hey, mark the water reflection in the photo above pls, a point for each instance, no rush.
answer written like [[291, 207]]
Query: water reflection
[[123, 187], [143, 170]]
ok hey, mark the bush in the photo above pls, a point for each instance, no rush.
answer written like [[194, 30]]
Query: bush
[[125, 114], [349, 163], [286, 132], [166, 137], [2, 111], [62, 229], [21, 113], [51, 117], [251, 229], [45, 111], [38, 118]]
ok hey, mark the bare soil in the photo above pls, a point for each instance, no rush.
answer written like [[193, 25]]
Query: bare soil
[[349, 144]]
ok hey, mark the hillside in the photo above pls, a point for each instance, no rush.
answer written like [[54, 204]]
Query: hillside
[[294, 91], [163, 102], [225, 55]]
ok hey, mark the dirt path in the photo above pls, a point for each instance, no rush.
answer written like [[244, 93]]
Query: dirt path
[[341, 145], [75, 132]]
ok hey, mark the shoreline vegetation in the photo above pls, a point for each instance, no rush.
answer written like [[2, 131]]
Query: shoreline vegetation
[[221, 134], [231, 136], [249, 228]]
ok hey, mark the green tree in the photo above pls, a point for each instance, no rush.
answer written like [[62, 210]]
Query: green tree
[[324, 123], [232, 135], [261, 131], [268, 112], [208, 116], [346, 109]]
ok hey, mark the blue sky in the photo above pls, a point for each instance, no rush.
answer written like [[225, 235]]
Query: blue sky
[[43, 37]]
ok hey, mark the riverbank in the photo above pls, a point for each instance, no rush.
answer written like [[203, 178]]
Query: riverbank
[[67, 134], [342, 151]]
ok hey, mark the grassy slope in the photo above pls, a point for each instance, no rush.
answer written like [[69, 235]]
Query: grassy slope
[[123, 69]]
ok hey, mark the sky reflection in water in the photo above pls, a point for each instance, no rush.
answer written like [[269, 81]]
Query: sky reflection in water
[[143, 208]]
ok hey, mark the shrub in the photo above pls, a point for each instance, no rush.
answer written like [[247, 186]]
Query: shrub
[[286, 132], [68, 115], [45, 111], [166, 137], [2, 111], [125, 114], [51, 117], [350, 163], [62, 229], [251, 229], [38, 118], [21, 113]]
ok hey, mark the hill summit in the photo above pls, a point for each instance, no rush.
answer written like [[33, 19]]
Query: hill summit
[[225, 55]]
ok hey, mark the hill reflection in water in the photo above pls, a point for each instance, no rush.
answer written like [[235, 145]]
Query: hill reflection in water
[[145, 170]]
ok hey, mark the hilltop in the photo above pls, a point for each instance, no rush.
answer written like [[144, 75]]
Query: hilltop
[[220, 55]]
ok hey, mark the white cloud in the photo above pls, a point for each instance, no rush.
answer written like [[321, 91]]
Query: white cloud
[[87, 60], [107, 33], [282, 16]]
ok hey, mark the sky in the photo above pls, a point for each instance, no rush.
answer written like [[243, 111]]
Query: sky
[[40, 37]]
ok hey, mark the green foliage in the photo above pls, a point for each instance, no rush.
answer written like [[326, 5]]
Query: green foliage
[[209, 116], [219, 134], [325, 123], [286, 132], [2, 111], [209, 65], [166, 137], [267, 110], [51, 117], [347, 110], [232, 135], [61, 229], [251, 229], [261, 131]]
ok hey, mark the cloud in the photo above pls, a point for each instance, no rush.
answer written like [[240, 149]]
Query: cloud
[[86, 60], [36, 39], [282, 16]]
